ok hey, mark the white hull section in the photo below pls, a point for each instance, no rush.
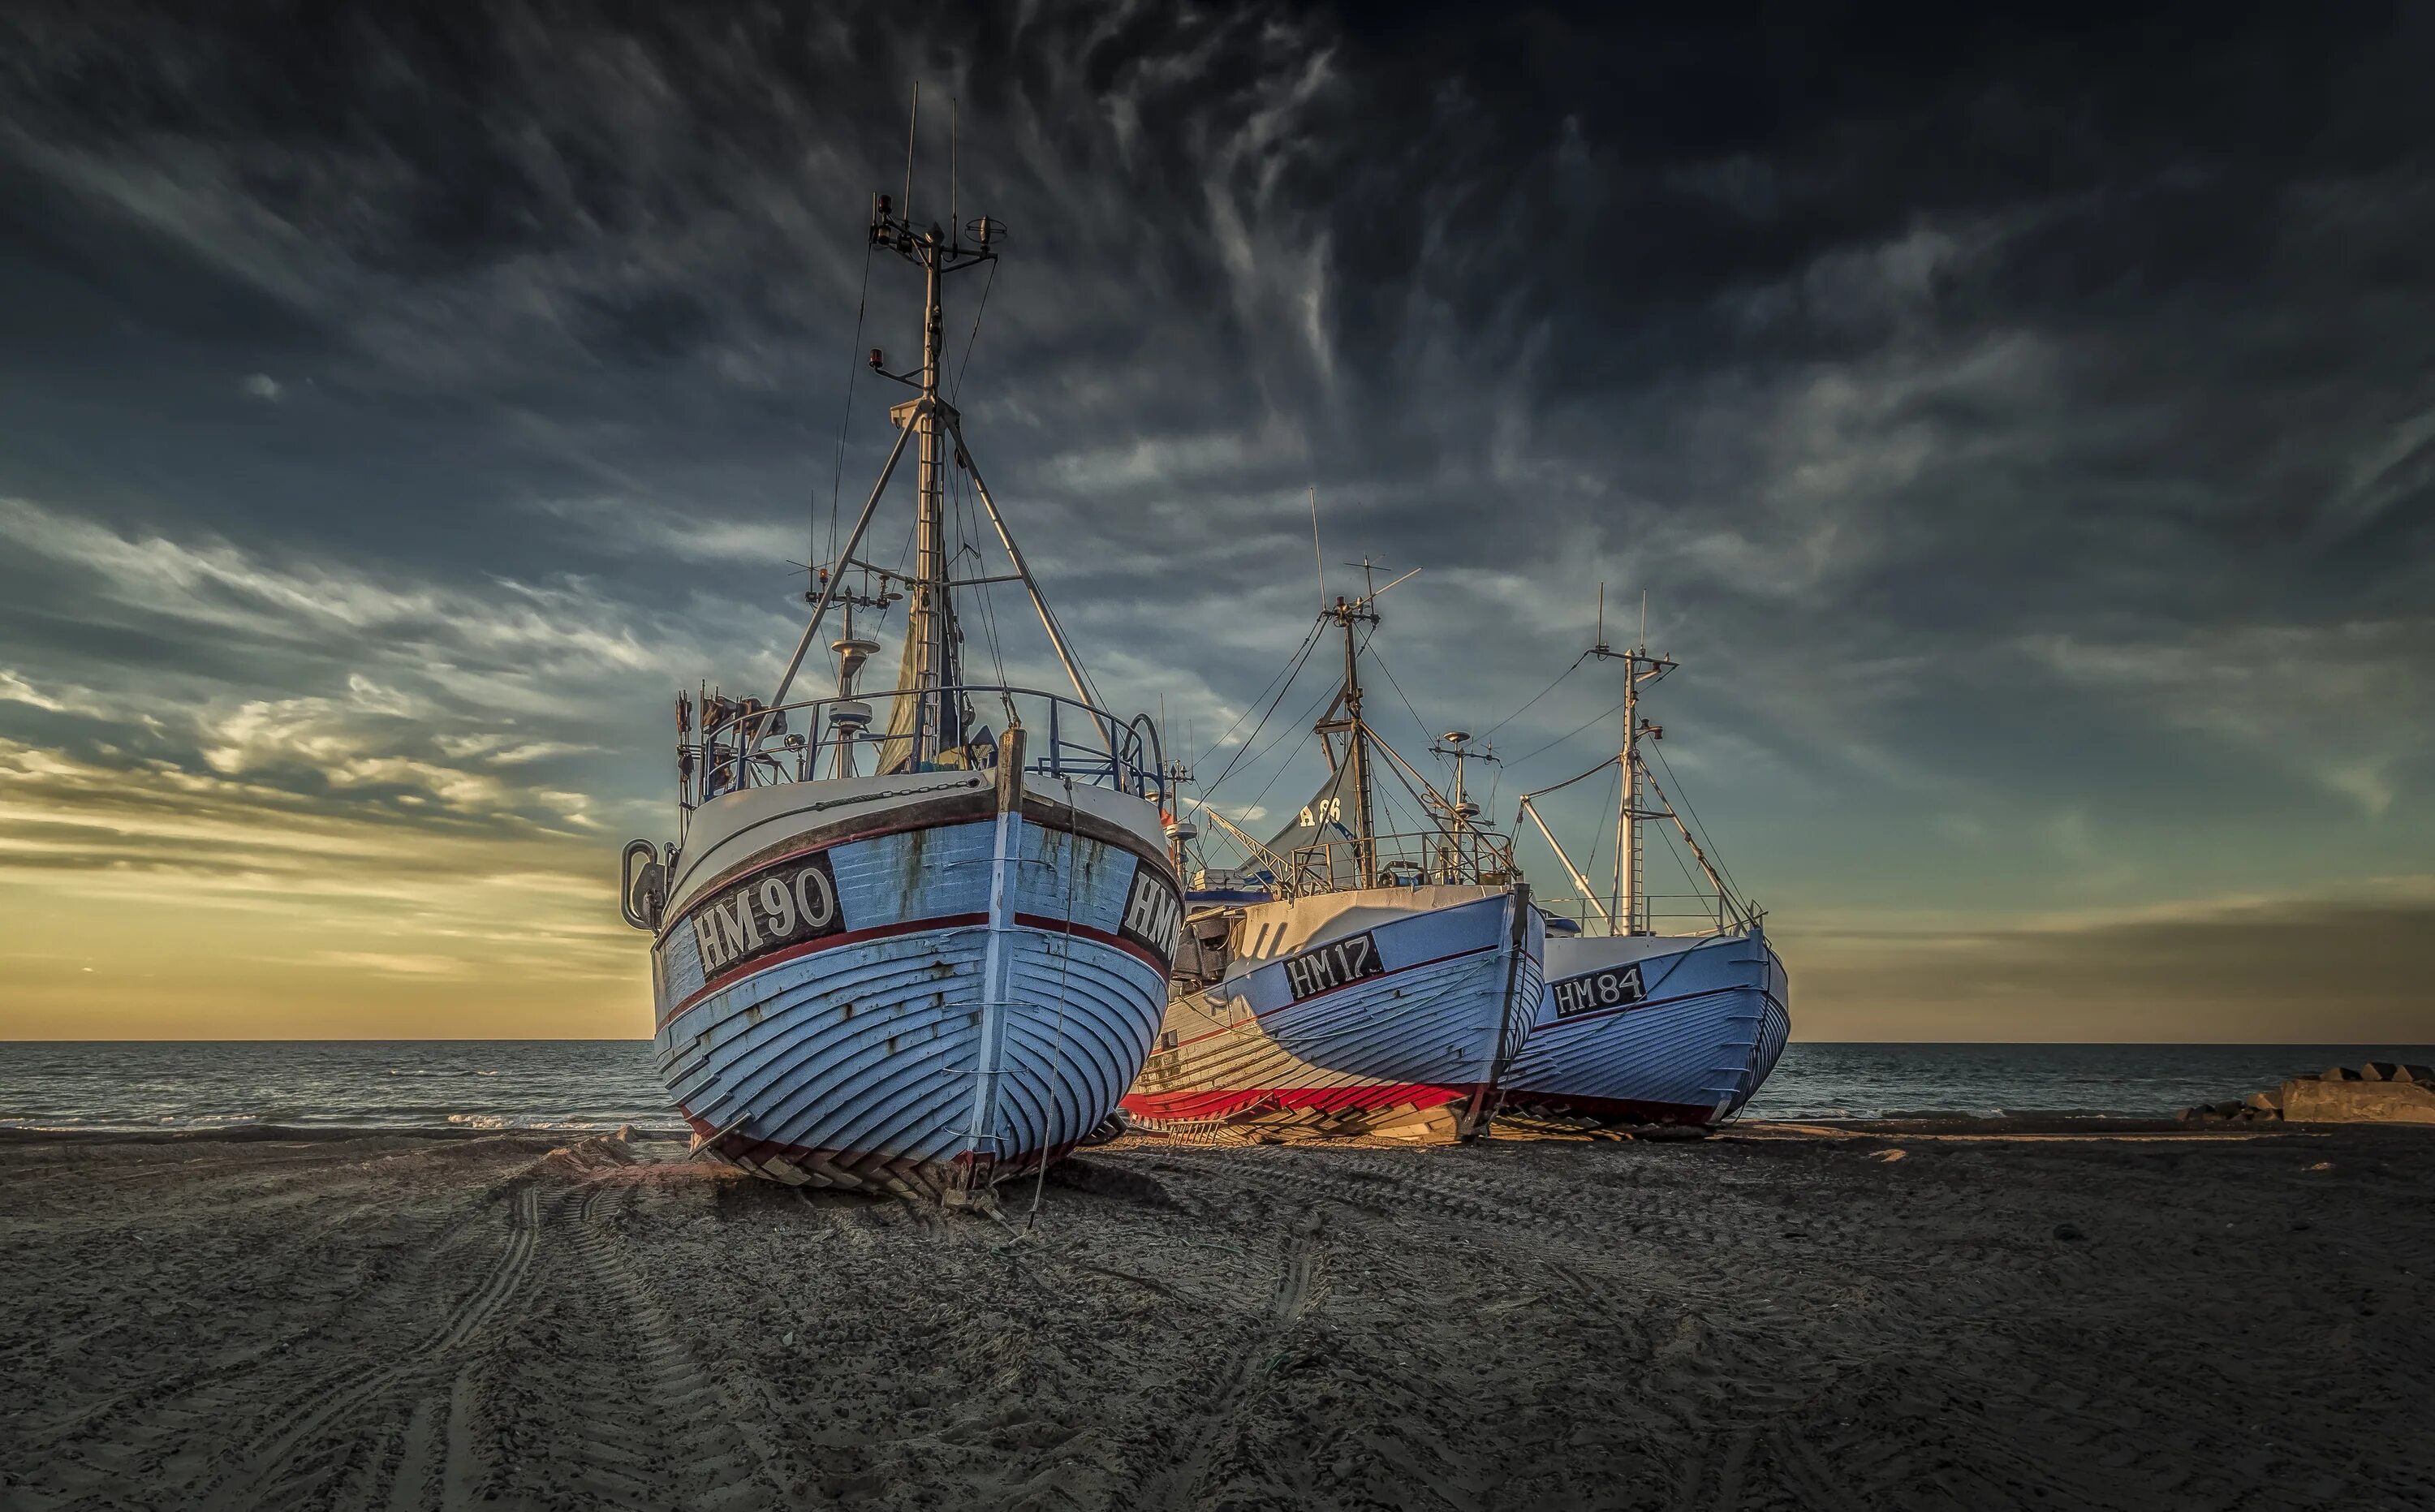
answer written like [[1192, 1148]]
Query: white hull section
[[976, 1000], [1653, 1028], [1360, 1011]]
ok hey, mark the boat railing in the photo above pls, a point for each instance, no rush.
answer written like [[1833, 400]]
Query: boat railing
[[1419, 858], [1660, 913], [752, 745]]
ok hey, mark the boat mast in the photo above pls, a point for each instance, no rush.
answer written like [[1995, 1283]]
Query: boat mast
[[929, 657], [932, 720], [1627, 818], [1625, 916], [1459, 810], [1356, 734]]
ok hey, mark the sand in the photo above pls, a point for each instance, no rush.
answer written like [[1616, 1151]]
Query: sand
[[1923, 1317]]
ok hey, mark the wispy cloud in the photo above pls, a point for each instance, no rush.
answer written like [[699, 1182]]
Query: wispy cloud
[[2021, 459]]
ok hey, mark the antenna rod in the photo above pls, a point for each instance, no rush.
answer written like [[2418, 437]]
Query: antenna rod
[[1318, 560], [911, 127]]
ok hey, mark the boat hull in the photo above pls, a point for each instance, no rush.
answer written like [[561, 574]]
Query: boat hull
[[863, 1046], [1652, 1030], [1374, 1011]]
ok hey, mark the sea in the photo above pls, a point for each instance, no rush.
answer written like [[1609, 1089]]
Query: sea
[[598, 1084]]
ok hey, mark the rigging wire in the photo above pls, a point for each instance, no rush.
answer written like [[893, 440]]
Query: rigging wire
[[1308, 730], [854, 370], [1286, 671], [1608, 714], [959, 488], [1380, 662], [982, 308], [1598, 836], [1589, 866], [1682, 866], [1283, 766], [1715, 854], [1535, 697], [1210, 789], [1396, 824]]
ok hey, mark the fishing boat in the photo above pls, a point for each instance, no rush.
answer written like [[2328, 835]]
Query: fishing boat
[[1343, 981], [896, 948], [1638, 1026]]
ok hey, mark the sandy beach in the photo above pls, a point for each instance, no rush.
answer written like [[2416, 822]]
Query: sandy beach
[[1783, 1317]]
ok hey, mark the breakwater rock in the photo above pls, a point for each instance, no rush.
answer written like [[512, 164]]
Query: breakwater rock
[[2379, 1092]]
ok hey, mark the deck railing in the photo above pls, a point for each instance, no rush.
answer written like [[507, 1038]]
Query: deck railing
[[815, 738], [1660, 913], [1466, 855]]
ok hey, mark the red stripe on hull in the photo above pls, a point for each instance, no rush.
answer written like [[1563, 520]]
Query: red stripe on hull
[[693, 892], [1231, 1102]]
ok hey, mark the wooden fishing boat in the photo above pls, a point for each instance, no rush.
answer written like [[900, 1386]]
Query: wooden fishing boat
[[1346, 982], [1652, 1028], [1639, 1026], [896, 948]]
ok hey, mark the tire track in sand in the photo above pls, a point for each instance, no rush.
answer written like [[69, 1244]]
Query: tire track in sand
[[1300, 1274], [652, 1428], [274, 1458]]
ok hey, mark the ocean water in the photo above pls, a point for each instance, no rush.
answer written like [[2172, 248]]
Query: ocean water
[[597, 1084], [2136, 1081], [549, 1084]]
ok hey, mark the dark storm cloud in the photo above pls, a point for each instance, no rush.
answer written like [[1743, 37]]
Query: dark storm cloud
[[2024, 427]]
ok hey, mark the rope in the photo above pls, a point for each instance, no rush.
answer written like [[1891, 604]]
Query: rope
[[1065, 960]]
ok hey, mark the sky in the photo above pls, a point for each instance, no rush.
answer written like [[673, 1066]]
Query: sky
[[2022, 429]]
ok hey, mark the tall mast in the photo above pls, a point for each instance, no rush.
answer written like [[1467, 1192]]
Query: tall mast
[[932, 721], [1627, 818], [1638, 667], [1356, 735], [933, 610]]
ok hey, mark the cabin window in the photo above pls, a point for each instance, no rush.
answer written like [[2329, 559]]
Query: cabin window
[[1166, 1041]]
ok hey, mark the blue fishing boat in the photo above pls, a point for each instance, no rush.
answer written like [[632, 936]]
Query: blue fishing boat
[[913, 939], [1346, 981], [1645, 1021]]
